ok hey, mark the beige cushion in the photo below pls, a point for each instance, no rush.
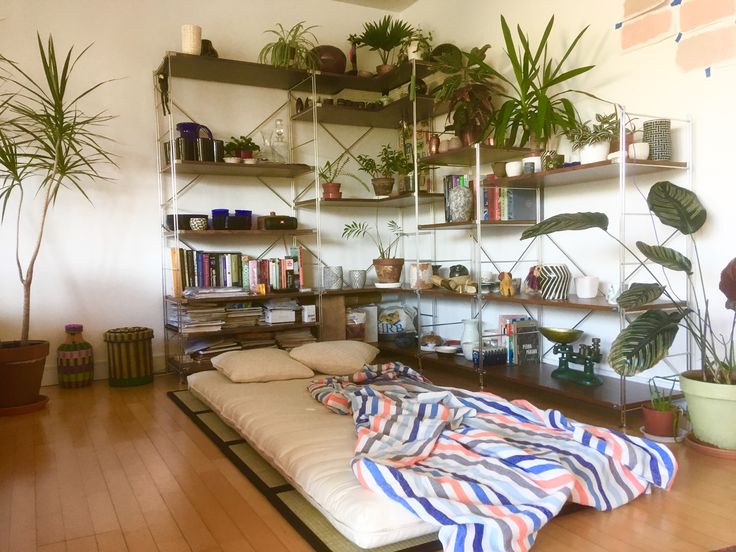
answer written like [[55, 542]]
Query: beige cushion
[[335, 358], [259, 365]]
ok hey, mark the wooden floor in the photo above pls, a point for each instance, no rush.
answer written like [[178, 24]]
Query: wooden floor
[[123, 469]]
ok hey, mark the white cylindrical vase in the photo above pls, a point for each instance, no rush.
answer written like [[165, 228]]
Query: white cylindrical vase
[[191, 39], [470, 338]]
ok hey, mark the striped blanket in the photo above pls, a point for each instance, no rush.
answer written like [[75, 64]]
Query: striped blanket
[[488, 472]]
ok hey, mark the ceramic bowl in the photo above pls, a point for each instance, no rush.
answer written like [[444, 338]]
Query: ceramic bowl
[[639, 150], [233, 160], [445, 351], [513, 168]]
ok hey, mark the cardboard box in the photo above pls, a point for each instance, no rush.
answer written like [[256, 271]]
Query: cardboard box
[[279, 316], [309, 313]]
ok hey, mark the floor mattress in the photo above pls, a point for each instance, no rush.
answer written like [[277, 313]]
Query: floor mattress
[[312, 448]]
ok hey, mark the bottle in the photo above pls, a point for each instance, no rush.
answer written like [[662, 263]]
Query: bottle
[[279, 145], [74, 359]]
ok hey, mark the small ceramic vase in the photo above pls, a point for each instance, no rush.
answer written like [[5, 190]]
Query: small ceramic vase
[[461, 204]]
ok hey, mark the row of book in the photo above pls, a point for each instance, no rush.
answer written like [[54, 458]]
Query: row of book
[[509, 204], [219, 269], [522, 335]]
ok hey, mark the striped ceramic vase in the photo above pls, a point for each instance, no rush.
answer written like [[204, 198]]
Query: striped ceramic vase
[[554, 281]]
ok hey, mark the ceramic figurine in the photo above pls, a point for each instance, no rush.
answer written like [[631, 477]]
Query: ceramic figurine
[[611, 294], [531, 283], [506, 284]]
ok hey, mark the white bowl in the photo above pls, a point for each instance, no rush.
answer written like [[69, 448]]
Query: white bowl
[[232, 160], [445, 350], [513, 168]]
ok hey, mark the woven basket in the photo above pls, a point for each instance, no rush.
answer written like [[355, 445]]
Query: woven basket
[[129, 356]]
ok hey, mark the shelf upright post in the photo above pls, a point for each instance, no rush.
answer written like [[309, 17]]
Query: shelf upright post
[[478, 299], [621, 248], [319, 277], [415, 177]]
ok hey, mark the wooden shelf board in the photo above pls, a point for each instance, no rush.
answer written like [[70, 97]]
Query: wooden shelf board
[[535, 377], [590, 172], [276, 170], [246, 329], [471, 225], [465, 156], [220, 233], [401, 200], [267, 76], [240, 298], [363, 291], [389, 116]]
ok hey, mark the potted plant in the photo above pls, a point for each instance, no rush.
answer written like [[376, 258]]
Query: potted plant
[[390, 162], [535, 109], [469, 88], [661, 417], [711, 391], [292, 48], [47, 144], [387, 266], [385, 36], [242, 147], [416, 46], [593, 140], [330, 172]]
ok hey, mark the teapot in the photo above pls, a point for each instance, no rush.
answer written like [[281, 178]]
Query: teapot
[[192, 131]]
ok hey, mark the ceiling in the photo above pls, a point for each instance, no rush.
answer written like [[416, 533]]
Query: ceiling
[[387, 5]]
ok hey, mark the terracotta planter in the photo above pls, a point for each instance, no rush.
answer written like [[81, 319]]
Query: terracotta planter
[[21, 370], [629, 139], [331, 189], [245, 154], [382, 186], [383, 69], [712, 410], [659, 422], [388, 270]]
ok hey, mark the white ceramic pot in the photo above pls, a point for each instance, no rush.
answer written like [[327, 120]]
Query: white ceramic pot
[[712, 410], [639, 151], [586, 287], [412, 52], [191, 39], [513, 168], [470, 338], [592, 153]]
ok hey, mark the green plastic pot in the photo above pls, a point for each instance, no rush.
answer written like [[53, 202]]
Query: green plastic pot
[[712, 410]]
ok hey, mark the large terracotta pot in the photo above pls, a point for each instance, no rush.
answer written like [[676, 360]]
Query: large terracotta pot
[[388, 270], [21, 370], [382, 186], [712, 410], [660, 422]]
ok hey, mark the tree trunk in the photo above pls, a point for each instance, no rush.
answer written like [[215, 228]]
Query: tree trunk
[[26, 310]]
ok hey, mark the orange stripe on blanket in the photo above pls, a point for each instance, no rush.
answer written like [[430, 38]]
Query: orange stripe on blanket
[[617, 454], [460, 494]]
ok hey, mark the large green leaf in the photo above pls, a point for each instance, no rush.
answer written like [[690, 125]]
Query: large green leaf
[[638, 295], [666, 257], [643, 343], [676, 207], [566, 221]]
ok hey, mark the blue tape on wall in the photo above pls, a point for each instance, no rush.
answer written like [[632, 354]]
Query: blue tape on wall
[[676, 2], [619, 25], [707, 72], [678, 37]]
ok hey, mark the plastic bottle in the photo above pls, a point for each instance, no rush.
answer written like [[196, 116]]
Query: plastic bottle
[[75, 359]]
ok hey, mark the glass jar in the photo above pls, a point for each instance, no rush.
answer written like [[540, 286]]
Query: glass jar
[[279, 143], [74, 359]]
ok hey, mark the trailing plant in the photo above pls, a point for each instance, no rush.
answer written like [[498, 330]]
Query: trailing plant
[[292, 48], [604, 129], [242, 143], [469, 87], [48, 142], [331, 171], [384, 36], [535, 108], [389, 162], [647, 339], [424, 44], [386, 249]]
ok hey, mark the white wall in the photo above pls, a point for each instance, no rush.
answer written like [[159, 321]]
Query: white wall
[[100, 264]]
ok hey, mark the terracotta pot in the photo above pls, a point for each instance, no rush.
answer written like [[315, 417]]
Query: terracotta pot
[[660, 422], [711, 408], [382, 186], [330, 188], [471, 135], [386, 68], [21, 370], [388, 270], [330, 59], [245, 154]]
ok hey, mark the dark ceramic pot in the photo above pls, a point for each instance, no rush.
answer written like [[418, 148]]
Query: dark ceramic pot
[[330, 59]]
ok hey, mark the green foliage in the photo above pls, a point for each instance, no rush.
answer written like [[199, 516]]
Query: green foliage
[[676, 207], [638, 295], [644, 342], [292, 48], [47, 140], [424, 44], [331, 171], [356, 229], [666, 257], [604, 129], [469, 87], [389, 162], [243, 143], [384, 36], [566, 221], [661, 398], [537, 109]]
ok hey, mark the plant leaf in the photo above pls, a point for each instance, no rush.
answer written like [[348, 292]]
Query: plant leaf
[[728, 284], [567, 221], [676, 207], [644, 342], [638, 295], [666, 257]]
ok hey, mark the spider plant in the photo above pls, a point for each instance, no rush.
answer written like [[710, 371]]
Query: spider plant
[[386, 249], [384, 36], [48, 142], [535, 109], [292, 48]]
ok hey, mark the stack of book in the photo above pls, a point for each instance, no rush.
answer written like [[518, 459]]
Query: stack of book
[[241, 314], [509, 204], [206, 349], [280, 311], [291, 339], [201, 317]]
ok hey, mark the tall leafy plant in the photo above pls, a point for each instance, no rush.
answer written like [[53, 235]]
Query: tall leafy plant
[[384, 36], [535, 109], [647, 339], [46, 142], [386, 248]]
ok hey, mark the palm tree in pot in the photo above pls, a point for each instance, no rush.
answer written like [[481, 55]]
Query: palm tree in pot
[[711, 391], [387, 266], [47, 142], [385, 36]]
